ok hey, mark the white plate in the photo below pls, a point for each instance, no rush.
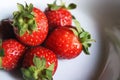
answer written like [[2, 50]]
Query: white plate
[[83, 67]]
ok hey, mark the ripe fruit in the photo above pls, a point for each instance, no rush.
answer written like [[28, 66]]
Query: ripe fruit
[[30, 25], [58, 15], [64, 43], [67, 42], [39, 64], [11, 52]]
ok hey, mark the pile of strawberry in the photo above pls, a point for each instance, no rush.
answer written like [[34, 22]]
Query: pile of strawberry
[[41, 39]]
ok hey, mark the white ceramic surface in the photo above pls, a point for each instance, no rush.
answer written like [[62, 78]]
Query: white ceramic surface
[[92, 16]]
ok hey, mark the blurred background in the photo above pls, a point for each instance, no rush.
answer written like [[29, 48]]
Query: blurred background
[[107, 13]]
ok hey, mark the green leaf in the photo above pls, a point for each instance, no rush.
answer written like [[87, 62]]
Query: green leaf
[[38, 71], [85, 49], [43, 63], [71, 6], [49, 74], [39, 63], [53, 7], [74, 31], [15, 14], [26, 5], [20, 20], [30, 22], [35, 74], [22, 32], [31, 27], [32, 68], [51, 67], [1, 52], [86, 40], [77, 25], [46, 74], [23, 29], [29, 15], [26, 74], [73, 17], [30, 8], [20, 7], [84, 36], [22, 17], [0, 63], [90, 40]]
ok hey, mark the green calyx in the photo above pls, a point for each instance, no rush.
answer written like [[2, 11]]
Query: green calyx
[[24, 19], [54, 6], [1, 53], [84, 36], [38, 71]]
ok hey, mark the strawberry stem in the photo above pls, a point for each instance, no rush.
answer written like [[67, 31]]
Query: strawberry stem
[[84, 36], [55, 6], [24, 20], [78, 26]]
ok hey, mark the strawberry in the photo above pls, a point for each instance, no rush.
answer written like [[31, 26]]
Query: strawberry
[[30, 25], [11, 52], [58, 15], [68, 42], [39, 64]]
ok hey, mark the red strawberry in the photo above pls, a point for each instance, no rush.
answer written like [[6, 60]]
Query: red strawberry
[[39, 64], [30, 25], [68, 42], [11, 52], [58, 15]]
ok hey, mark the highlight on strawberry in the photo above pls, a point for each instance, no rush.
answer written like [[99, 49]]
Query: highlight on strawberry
[[69, 42], [30, 24], [11, 51]]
